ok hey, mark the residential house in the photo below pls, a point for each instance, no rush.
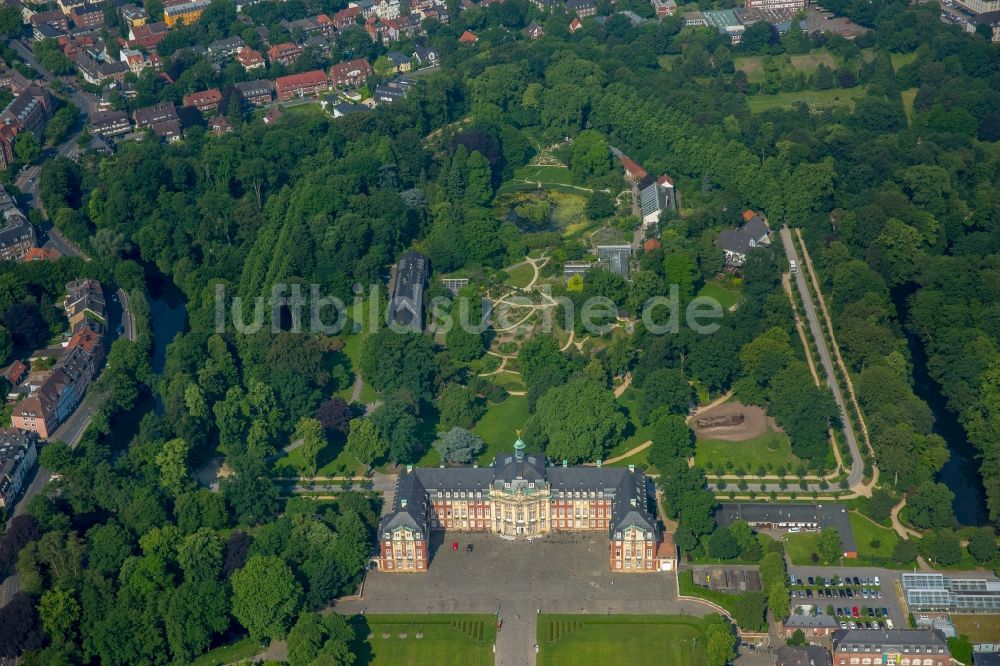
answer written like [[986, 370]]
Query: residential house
[[14, 81], [249, 58], [17, 235], [301, 85], [547, 5], [802, 655], [387, 9], [534, 30], [406, 305], [426, 56], [204, 101], [109, 123], [59, 394], [186, 12], [220, 125], [162, 118], [582, 8], [133, 15], [225, 48], [319, 25], [341, 109], [865, 646], [45, 31], [135, 59], [736, 243], [346, 17], [575, 24], [389, 92], [399, 61], [468, 37], [42, 254], [54, 19], [15, 372], [351, 73], [18, 455], [366, 8], [256, 93], [664, 8], [97, 73], [810, 625], [84, 303], [66, 6], [27, 112], [147, 35], [284, 54], [88, 17], [273, 115]]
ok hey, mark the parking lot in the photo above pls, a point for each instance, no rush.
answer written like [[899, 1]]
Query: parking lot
[[881, 596]]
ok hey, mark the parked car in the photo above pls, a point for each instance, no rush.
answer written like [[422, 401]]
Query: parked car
[[843, 625], [877, 581], [855, 612], [468, 548], [809, 594], [811, 580], [850, 593], [857, 581]]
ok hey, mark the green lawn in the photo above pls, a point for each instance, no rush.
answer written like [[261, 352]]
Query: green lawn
[[228, 654], [333, 461], [568, 211], [545, 174], [813, 98], [444, 640], [908, 96], [979, 628], [800, 547], [352, 349], [520, 276], [620, 640], [772, 448], [498, 425], [636, 433], [756, 67], [900, 59], [726, 297], [866, 533]]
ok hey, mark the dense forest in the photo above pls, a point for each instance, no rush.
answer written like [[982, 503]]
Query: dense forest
[[132, 562]]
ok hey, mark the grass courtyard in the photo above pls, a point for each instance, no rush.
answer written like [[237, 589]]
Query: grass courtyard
[[498, 424], [978, 628], [411, 640], [813, 98], [726, 296], [772, 450], [620, 639], [875, 545]]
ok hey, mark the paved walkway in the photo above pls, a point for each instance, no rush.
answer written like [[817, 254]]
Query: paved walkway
[[901, 529]]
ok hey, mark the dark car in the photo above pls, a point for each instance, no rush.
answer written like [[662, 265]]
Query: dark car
[[811, 580], [850, 595], [842, 593], [885, 612], [857, 581], [809, 594], [468, 548]]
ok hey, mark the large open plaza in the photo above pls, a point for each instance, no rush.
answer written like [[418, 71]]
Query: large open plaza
[[564, 574]]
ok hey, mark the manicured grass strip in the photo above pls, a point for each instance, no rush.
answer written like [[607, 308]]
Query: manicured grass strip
[[620, 640], [726, 297], [831, 97], [412, 640], [498, 424], [772, 448], [228, 654]]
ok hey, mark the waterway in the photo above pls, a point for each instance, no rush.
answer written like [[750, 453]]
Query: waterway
[[168, 313], [961, 472]]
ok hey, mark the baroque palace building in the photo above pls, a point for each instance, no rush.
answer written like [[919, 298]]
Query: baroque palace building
[[518, 497]]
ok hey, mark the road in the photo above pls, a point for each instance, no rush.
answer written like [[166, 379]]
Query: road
[[70, 432], [27, 182], [856, 475]]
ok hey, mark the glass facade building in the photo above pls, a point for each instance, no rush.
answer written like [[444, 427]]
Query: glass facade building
[[937, 592]]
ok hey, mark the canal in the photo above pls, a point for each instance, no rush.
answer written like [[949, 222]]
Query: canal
[[961, 472]]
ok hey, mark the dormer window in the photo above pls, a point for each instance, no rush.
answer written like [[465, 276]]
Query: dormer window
[[531, 484], [506, 484]]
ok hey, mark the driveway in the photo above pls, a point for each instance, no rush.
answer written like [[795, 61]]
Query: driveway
[[857, 466], [558, 574]]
